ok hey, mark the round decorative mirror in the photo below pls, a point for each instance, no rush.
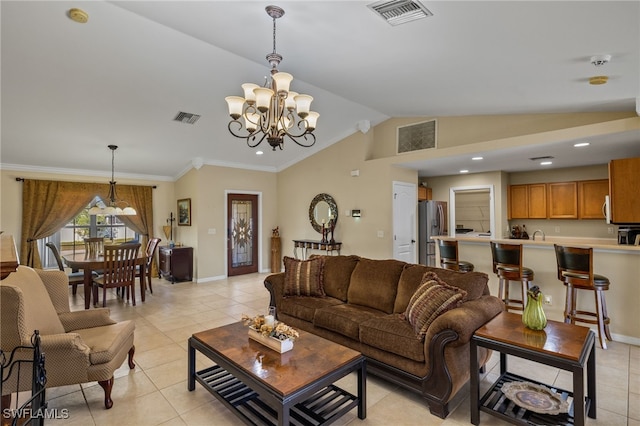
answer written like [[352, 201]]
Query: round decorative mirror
[[323, 208]]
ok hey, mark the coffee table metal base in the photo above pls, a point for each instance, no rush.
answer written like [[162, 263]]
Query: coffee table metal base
[[319, 403]]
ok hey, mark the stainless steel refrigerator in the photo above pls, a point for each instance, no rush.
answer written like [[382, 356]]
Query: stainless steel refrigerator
[[432, 220]]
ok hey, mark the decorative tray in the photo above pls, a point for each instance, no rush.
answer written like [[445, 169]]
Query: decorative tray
[[536, 398]]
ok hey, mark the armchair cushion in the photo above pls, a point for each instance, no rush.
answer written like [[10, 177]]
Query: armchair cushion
[[36, 300], [106, 342]]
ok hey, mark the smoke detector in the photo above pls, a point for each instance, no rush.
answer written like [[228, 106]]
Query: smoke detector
[[600, 60]]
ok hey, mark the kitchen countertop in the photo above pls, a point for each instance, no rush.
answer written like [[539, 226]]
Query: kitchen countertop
[[596, 243]]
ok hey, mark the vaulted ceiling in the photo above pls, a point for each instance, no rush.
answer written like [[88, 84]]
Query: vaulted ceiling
[[71, 89]]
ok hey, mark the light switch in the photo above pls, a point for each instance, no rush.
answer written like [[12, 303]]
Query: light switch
[[380, 234], [212, 231]]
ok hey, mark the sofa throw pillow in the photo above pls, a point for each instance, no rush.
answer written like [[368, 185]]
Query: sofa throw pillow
[[303, 277], [431, 300]]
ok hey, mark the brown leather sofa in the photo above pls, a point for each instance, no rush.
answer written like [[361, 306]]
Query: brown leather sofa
[[363, 308]]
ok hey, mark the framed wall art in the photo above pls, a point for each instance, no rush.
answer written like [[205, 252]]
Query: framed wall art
[[184, 212]]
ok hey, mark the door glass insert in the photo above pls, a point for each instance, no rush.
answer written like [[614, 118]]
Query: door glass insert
[[241, 233]]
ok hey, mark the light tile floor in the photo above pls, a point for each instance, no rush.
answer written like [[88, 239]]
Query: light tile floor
[[155, 392]]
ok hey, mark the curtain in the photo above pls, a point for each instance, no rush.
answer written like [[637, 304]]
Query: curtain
[[141, 199], [46, 207]]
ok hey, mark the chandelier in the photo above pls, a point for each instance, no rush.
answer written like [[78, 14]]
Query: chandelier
[[272, 111], [113, 207]]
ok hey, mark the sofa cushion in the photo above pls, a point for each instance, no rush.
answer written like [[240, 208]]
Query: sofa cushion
[[303, 277], [106, 342], [392, 333], [337, 274], [474, 283], [374, 283], [430, 301], [345, 319], [305, 307]]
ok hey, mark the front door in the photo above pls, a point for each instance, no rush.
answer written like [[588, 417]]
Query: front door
[[242, 234]]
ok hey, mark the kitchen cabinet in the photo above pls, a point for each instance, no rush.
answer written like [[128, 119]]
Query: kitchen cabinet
[[563, 200], [527, 201], [591, 194], [424, 193], [176, 263], [624, 187]]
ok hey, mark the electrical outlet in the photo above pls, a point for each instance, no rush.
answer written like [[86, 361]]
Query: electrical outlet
[[557, 229], [380, 234], [548, 300], [610, 230]]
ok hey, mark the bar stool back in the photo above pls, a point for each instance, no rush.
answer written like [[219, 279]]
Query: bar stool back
[[449, 257], [507, 265], [575, 270]]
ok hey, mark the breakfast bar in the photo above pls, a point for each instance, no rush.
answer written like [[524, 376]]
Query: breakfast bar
[[620, 263]]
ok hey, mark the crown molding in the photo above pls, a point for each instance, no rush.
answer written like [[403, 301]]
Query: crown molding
[[79, 172]]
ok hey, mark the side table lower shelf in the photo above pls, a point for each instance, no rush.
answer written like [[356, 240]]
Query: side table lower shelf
[[323, 407], [495, 402]]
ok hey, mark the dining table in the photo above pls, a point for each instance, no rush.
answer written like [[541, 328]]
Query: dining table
[[89, 264]]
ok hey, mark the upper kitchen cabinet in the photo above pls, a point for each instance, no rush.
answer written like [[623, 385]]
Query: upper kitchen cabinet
[[528, 201], [424, 193], [563, 200], [591, 195], [624, 187]]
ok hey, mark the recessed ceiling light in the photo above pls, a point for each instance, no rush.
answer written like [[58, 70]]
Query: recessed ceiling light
[[476, 158], [464, 171], [546, 163], [578, 145], [259, 152]]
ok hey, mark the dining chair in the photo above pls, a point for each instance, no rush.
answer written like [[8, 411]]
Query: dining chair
[[149, 252], [119, 270], [507, 265], [93, 246], [75, 278]]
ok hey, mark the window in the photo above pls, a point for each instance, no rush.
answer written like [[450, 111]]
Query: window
[[70, 238]]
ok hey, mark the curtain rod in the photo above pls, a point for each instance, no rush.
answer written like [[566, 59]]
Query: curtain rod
[[19, 179]]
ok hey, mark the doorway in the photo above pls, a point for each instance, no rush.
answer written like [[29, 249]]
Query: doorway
[[483, 196], [242, 234]]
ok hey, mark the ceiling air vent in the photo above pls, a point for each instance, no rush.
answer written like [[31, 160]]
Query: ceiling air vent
[[415, 137], [397, 12], [186, 117]]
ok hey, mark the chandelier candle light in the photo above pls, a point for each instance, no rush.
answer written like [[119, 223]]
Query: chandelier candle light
[[268, 112], [113, 209]]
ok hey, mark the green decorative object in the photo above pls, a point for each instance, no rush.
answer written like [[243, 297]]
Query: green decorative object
[[533, 316]]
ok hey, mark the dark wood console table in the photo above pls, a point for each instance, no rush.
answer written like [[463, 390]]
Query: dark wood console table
[[305, 245]]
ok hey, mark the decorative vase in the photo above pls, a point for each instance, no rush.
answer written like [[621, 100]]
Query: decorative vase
[[533, 316]]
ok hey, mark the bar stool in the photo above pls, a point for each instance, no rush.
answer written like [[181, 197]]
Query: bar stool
[[575, 270], [449, 257], [507, 265]]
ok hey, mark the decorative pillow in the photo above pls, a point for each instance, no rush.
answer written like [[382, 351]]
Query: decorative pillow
[[303, 277], [431, 299]]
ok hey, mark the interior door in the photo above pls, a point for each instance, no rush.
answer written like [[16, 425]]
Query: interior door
[[242, 234], [405, 201]]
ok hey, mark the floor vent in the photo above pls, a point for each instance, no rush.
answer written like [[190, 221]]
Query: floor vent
[[397, 12], [416, 137], [186, 117]]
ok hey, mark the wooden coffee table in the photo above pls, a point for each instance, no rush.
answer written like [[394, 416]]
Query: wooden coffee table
[[565, 346], [263, 386]]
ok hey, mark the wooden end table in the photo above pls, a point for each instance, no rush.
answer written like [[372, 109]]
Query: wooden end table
[[262, 386], [565, 346]]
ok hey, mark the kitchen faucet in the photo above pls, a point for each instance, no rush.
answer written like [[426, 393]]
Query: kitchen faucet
[[535, 232]]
